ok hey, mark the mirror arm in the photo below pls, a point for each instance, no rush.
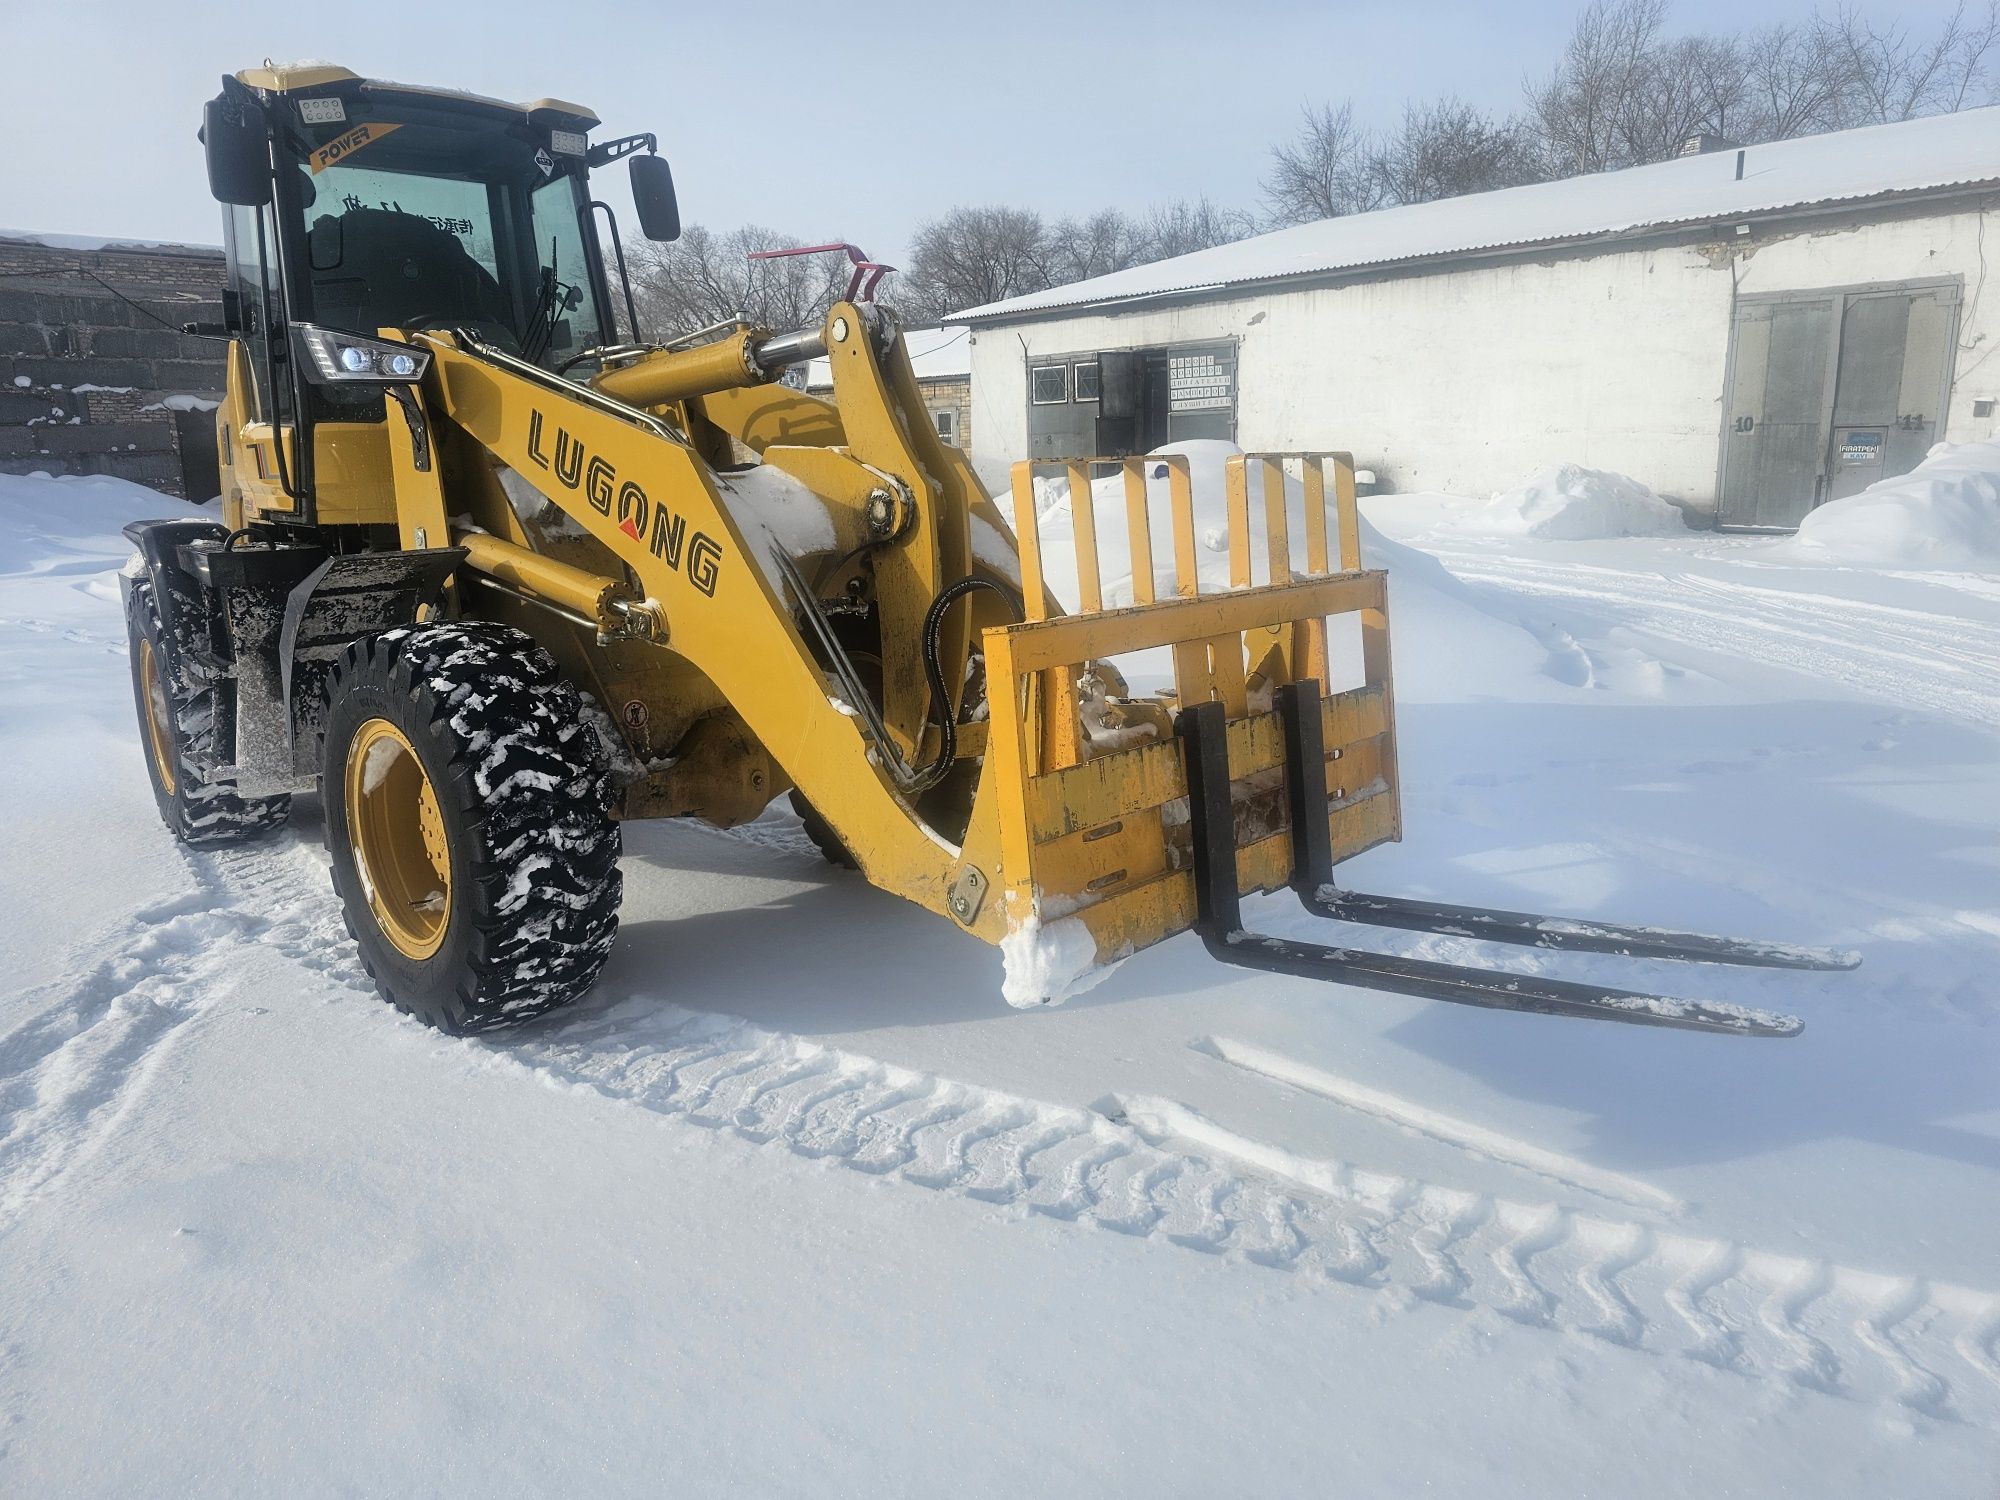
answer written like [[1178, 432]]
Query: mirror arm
[[606, 152]]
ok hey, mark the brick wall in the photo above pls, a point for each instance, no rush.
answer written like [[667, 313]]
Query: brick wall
[[955, 395], [84, 373], [945, 393]]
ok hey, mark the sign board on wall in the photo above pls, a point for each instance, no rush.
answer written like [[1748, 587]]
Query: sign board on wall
[[1199, 382]]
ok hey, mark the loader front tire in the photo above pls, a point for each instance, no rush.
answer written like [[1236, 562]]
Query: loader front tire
[[177, 724], [468, 817]]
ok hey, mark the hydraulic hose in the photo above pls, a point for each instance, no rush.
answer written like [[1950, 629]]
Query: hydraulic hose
[[941, 712]]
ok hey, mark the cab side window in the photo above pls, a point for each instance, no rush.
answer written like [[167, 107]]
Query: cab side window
[[246, 282]]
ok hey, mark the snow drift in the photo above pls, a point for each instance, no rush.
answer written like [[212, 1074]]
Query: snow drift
[[59, 524], [1943, 514], [1569, 503]]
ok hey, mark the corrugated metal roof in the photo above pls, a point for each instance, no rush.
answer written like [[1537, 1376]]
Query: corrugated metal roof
[[1943, 151]]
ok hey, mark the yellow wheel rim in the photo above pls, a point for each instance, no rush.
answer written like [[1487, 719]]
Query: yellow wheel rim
[[396, 831], [159, 714]]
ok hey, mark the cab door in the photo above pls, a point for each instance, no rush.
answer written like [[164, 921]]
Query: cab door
[[257, 416]]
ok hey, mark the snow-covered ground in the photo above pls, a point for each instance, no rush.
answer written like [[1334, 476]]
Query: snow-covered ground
[[794, 1204]]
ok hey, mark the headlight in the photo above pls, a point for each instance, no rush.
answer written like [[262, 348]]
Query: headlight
[[334, 356]]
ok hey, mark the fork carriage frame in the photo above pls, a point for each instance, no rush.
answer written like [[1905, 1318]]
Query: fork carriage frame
[[1103, 836], [1145, 841]]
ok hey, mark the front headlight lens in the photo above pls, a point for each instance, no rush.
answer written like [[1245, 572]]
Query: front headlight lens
[[336, 357]]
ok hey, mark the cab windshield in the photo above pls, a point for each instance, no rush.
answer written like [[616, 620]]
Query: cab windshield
[[447, 223]]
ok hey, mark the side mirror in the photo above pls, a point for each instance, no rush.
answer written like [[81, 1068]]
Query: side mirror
[[239, 163], [653, 196]]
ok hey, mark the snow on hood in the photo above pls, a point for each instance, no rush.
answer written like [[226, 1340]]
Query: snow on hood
[[777, 514], [1569, 503], [1943, 514]]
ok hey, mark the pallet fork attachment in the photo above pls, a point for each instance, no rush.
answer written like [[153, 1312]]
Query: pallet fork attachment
[[1202, 728]]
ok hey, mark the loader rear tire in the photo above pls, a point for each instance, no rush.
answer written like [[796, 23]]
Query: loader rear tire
[[468, 816], [177, 723]]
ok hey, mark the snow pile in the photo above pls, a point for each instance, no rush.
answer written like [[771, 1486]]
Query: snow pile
[[1943, 514], [1569, 503], [54, 524], [1047, 962]]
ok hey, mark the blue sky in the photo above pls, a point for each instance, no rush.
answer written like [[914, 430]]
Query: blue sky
[[824, 120]]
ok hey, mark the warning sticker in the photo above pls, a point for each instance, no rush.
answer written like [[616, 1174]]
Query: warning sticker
[[344, 145]]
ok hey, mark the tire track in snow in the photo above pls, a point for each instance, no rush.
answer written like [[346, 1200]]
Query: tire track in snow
[[72, 1070], [1903, 656], [1161, 1171], [1148, 1168]]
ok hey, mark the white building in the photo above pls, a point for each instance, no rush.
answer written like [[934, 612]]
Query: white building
[[1750, 332]]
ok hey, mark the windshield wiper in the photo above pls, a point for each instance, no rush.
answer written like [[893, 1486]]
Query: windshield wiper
[[542, 326]]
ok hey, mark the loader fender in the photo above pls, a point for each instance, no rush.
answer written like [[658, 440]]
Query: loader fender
[[345, 598], [177, 594]]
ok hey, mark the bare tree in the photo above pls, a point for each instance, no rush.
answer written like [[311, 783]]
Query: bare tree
[[1583, 112], [1187, 225], [1794, 82], [1106, 241], [971, 256], [1893, 73], [1446, 148], [705, 277], [1625, 93], [1688, 86], [1323, 172]]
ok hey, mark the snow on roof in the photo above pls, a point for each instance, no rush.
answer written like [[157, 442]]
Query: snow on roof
[[1913, 156], [97, 242], [935, 354]]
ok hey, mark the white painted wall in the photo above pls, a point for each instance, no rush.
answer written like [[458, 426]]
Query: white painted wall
[[1468, 382]]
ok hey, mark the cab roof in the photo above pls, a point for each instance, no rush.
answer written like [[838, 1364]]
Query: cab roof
[[304, 77]]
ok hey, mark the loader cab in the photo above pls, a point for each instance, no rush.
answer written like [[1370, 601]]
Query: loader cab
[[377, 207]]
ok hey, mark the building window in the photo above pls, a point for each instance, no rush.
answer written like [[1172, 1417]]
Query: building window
[[1049, 385], [1086, 380], [947, 425]]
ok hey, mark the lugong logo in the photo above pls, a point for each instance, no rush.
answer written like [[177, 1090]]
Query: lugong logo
[[663, 531]]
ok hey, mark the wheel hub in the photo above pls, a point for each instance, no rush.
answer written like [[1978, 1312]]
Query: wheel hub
[[159, 714], [395, 827]]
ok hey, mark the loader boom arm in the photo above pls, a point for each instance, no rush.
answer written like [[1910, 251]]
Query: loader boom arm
[[647, 497]]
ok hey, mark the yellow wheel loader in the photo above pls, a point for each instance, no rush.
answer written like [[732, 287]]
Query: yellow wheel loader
[[495, 573]]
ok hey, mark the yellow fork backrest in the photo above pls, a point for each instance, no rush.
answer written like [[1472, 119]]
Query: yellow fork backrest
[[1213, 667]]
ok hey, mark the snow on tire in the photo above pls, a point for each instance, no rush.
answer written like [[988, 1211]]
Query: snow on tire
[[522, 851], [177, 720]]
